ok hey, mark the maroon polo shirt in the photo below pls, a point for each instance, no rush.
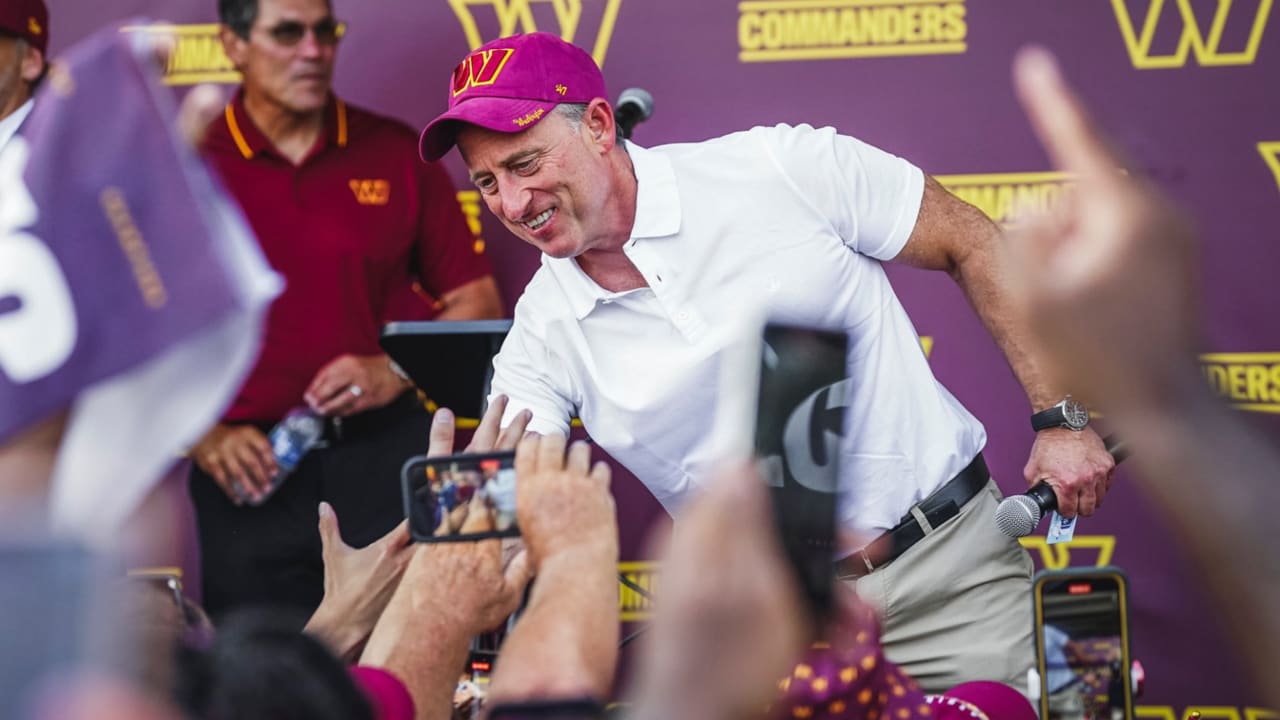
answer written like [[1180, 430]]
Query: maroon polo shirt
[[351, 229]]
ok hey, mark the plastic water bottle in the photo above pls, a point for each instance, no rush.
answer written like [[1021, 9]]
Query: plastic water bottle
[[291, 439]]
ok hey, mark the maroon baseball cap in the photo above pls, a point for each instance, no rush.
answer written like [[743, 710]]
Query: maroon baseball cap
[[510, 84], [28, 19]]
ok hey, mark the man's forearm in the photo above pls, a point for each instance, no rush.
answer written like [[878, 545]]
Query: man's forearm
[[566, 642], [426, 649], [953, 236], [983, 276], [428, 658], [343, 638]]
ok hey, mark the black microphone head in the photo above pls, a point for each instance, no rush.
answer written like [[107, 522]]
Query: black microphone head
[[639, 98], [1018, 515]]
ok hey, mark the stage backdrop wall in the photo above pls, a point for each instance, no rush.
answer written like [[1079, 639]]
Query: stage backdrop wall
[[1188, 87]]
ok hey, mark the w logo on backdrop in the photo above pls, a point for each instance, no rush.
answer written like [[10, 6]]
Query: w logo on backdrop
[[586, 23], [1170, 32]]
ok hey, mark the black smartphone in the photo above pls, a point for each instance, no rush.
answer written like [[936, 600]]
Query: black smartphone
[[442, 497], [803, 393], [1083, 652]]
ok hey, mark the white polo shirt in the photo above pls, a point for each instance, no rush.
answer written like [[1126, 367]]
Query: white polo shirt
[[785, 222], [9, 124]]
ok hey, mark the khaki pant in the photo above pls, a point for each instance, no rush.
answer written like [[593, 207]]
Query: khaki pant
[[957, 605]]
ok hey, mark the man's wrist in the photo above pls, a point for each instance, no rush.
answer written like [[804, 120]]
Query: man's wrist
[[1068, 413], [343, 637], [584, 552]]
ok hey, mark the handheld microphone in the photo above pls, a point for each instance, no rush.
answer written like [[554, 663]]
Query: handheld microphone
[[1018, 515], [634, 106]]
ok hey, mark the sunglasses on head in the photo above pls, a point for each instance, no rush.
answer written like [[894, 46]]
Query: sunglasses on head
[[291, 32]]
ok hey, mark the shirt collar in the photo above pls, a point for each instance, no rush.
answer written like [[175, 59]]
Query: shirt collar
[[581, 291], [251, 141], [657, 215], [657, 195], [9, 125]]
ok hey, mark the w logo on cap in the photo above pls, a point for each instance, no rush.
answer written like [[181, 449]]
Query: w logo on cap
[[480, 68], [569, 17], [33, 26]]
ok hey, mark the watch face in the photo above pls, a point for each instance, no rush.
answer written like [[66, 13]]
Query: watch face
[[1075, 414]]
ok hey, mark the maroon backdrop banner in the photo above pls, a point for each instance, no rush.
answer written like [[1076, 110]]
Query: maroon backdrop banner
[[1188, 87]]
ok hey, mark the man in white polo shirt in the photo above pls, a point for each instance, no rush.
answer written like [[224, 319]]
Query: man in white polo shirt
[[650, 256], [24, 38]]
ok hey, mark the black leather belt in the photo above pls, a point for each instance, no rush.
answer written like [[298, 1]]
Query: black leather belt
[[941, 506]]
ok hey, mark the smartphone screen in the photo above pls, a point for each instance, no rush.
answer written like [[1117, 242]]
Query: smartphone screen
[[1083, 644], [800, 411], [461, 497]]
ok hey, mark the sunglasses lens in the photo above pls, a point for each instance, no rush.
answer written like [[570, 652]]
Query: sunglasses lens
[[328, 31], [289, 33]]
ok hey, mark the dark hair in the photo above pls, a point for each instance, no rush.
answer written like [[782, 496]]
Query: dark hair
[[238, 15], [260, 667]]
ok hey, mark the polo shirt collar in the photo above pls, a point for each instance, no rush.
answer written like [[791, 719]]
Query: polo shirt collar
[[657, 215], [657, 195], [9, 125], [250, 140], [581, 291]]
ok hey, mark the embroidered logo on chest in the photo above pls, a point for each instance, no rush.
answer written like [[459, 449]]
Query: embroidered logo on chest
[[370, 191]]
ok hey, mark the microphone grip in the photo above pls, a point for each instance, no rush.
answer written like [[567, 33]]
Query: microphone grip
[[1044, 497]]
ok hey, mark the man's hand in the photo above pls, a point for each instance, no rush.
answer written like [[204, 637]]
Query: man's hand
[[438, 574], [489, 435], [352, 384], [358, 583], [239, 459], [563, 503], [566, 643], [1109, 275], [483, 587], [1077, 466]]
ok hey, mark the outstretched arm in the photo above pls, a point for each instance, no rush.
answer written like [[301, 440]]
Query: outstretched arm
[[566, 643], [955, 237]]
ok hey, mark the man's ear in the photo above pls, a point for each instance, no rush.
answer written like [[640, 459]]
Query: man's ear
[[234, 46], [600, 124], [32, 63]]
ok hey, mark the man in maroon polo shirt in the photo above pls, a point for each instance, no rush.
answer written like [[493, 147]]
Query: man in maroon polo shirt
[[347, 213]]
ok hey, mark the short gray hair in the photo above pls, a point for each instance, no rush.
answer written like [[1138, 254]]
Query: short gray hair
[[573, 114]]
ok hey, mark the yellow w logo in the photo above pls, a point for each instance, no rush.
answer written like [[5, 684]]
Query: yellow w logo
[[1193, 40], [371, 192], [518, 16], [1059, 556]]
